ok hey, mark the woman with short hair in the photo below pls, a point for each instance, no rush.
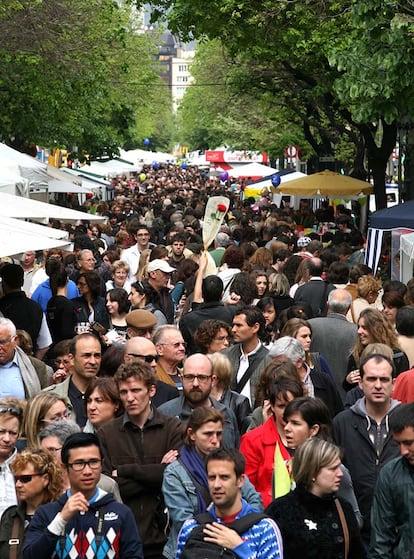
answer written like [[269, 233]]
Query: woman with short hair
[[38, 480]]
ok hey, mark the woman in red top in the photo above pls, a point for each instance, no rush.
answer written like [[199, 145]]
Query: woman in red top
[[258, 446]]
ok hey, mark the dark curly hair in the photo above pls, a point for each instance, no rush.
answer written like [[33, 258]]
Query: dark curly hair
[[207, 331]]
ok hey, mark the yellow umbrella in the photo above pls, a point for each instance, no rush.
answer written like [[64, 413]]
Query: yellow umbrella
[[326, 183]]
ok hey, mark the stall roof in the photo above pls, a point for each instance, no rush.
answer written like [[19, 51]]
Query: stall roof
[[20, 207], [401, 216]]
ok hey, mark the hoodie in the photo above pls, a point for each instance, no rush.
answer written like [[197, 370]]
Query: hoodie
[[366, 447], [49, 535]]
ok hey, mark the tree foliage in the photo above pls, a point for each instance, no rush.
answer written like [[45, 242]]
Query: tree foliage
[[73, 73], [343, 68]]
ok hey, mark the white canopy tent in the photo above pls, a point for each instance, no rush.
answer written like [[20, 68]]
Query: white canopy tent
[[18, 236], [406, 256], [144, 157], [24, 165], [251, 170], [24, 208]]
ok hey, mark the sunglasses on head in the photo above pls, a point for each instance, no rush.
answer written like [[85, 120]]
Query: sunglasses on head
[[13, 410], [26, 478]]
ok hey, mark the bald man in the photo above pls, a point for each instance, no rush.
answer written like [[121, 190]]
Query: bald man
[[143, 348], [196, 377]]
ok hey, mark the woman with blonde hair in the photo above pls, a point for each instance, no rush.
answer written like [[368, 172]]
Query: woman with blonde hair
[[41, 410], [368, 289], [221, 391], [38, 480], [313, 521], [120, 272]]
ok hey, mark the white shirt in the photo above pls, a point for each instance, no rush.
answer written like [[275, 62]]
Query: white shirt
[[244, 365], [7, 488]]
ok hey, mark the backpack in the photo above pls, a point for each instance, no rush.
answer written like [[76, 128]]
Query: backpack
[[196, 547]]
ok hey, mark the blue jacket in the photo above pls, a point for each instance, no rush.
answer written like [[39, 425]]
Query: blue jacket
[[43, 293], [180, 496], [261, 541], [119, 540]]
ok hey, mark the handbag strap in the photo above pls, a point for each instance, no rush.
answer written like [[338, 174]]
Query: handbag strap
[[14, 541], [344, 526]]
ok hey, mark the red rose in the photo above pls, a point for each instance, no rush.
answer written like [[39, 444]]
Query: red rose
[[221, 207]]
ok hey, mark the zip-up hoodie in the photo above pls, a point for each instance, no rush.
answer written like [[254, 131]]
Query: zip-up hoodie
[[119, 537], [366, 447]]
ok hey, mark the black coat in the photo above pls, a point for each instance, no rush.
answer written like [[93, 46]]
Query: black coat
[[311, 527]]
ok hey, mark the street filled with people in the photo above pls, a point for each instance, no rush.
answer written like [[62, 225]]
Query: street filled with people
[[163, 399]]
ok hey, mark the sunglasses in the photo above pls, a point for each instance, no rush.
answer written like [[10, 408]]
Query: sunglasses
[[26, 478], [146, 358], [13, 410]]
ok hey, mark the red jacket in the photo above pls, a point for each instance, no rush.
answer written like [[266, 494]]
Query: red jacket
[[258, 447]]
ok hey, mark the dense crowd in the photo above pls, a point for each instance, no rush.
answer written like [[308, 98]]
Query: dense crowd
[[156, 395]]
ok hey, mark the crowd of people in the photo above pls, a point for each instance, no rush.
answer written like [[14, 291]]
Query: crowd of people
[[160, 399]]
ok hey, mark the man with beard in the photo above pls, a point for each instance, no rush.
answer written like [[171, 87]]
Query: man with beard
[[197, 378]]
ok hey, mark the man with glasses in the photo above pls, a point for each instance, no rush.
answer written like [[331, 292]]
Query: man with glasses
[[21, 376], [10, 421], [196, 378], [86, 521], [171, 348], [137, 448], [143, 349]]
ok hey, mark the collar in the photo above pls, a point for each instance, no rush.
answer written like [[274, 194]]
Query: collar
[[14, 361], [126, 420], [255, 350], [10, 459]]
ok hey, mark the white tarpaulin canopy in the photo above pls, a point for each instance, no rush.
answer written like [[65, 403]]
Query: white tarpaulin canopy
[[17, 206], [142, 156], [251, 170], [18, 236]]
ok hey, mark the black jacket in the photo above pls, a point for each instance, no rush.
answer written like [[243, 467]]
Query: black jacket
[[311, 527], [17, 512], [351, 433], [23, 312]]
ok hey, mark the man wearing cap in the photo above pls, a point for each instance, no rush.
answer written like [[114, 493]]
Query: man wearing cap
[[140, 323], [144, 349], [22, 311], [159, 272], [302, 244]]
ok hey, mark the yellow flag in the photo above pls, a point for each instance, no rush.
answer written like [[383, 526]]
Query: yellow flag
[[281, 477]]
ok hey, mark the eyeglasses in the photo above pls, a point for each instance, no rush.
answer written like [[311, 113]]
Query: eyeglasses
[[175, 344], [200, 378], [221, 339], [64, 415], [93, 463], [53, 449], [5, 342], [26, 478], [13, 410], [146, 358]]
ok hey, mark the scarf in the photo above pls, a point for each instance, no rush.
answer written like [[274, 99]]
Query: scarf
[[30, 379], [196, 468]]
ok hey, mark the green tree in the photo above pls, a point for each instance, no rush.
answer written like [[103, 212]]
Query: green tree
[[292, 50], [75, 73]]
